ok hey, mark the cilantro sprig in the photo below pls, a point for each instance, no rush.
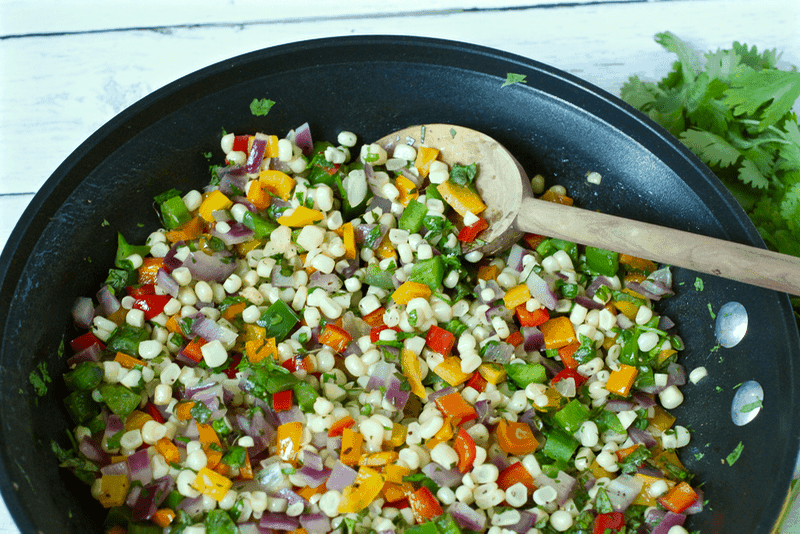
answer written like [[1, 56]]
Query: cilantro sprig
[[733, 109]]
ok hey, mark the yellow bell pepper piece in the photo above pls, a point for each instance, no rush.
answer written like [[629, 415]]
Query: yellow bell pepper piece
[[425, 156], [349, 238], [644, 498], [408, 191], [629, 309], [211, 445], [385, 249], [488, 272], [136, 420], [553, 400], [113, 490], [259, 195], [409, 291], [278, 183], [460, 198], [398, 435], [621, 381], [212, 484], [257, 349], [367, 487], [450, 371], [378, 459], [290, 437], [351, 446], [412, 371], [517, 296], [662, 419], [492, 373], [271, 151], [215, 201], [600, 472], [301, 216]]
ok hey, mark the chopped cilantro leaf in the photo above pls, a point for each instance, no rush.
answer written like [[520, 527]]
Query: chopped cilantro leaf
[[259, 108], [698, 284], [735, 454], [512, 78], [752, 406]]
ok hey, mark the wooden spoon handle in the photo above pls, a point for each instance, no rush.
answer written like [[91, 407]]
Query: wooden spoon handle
[[709, 255]]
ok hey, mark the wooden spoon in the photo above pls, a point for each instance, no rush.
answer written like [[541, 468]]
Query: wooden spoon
[[512, 211]]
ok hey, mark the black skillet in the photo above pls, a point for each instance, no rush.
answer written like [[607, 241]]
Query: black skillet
[[555, 124]]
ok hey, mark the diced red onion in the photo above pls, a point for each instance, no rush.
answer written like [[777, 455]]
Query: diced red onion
[[501, 352], [278, 279], [312, 459], [206, 328], [192, 505], [142, 504], [482, 409], [107, 301], [443, 477], [588, 303], [91, 353], [622, 491], [618, 405], [303, 139], [170, 261], [676, 375], [291, 496], [329, 282], [380, 376], [314, 478], [292, 415], [541, 290], [396, 396], [255, 156], [497, 292], [210, 267], [116, 468], [232, 178], [533, 338], [92, 450], [642, 436], [279, 521], [592, 288], [341, 476], [238, 233], [669, 520], [315, 523], [526, 522], [515, 255], [623, 321], [697, 506], [648, 470], [167, 283], [500, 460], [139, 466], [83, 312], [441, 393], [354, 325], [350, 270], [642, 400], [499, 310], [467, 517], [665, 323], [564, 484], [161, 489]]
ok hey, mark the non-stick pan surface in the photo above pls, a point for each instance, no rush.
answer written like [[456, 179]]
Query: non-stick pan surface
[[554, 124]]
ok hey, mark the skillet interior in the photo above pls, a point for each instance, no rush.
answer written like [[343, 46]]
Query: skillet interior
[[554, 124]]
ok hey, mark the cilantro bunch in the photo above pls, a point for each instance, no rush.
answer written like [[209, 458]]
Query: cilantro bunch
[[733, 109]]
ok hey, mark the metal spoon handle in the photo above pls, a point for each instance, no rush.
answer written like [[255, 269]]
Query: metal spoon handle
[[703, 254]]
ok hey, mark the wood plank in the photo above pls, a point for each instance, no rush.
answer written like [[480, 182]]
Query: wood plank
[[60, 17]]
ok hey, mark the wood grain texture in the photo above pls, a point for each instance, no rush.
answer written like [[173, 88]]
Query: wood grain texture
[[667, 246]]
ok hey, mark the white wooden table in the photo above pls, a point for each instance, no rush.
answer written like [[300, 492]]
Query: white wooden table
[[66, 68]]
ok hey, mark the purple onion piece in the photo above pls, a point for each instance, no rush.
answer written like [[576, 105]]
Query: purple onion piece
[[255, 157], [642, 436], [668, 521], [676, 375], [92, 353], [533, 338], [108, 302], [588, 303], [443, 477], [139, 467], [167, 283], [92, 450], [564, 485], [278, 521], [303, 139], [592, 288], [215, 267], [315, 523], [232, 179], [278, 279], [314, 478], [622, 491], [541, 290], [467, 517], [380, 376], [329, 282], [83, 312], [618, 405], [341, 476], [192, 505]]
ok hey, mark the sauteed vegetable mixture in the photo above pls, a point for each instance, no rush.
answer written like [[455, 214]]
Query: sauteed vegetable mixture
[[311, 344]]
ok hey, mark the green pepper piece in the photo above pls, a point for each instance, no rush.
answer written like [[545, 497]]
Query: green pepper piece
[[124, 249], [600, 260], [523, 374], [559, 446], [447, 525], [173, 499], [261, 227], [456, 327], [278, 382], [119, 515], [126, 338], [423, 528], [81, 407], [144, 528], [349, 211], [86, 376], [120, 400], [572, 416], [174, 213], [305, 395], [322, 170], [413, 216], [606, 420], [375, 276], [432, 192], [119, 279], [278, 319], [429, 272]]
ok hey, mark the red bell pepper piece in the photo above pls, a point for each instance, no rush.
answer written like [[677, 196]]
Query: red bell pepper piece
[[231, 371], [424, 505], [477, 382], [84, 341], [614, 521], [533, 240], [469, 233], [338, 427], [514, 473], [153, 412], [241, 143], [569, 373], [440, 340], [465, 447], [143, 289], [375, 332], [151, 305], [282, 400], [534, 318]]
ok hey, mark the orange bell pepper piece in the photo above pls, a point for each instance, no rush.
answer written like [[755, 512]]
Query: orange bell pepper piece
[[149, 269], [534, 318], [127, 361], [335, 337], [558, 332], [558, 199], [211, 445], [290, 437], [516, 438], [351, 446], [163, 517], [621, 381], [453, 405], [465, 448], [513, 474], [413, 372], [517, 296], [425, 156], [186, 232], [168, 450], [409, 291], [566, 353], [424, 505], [338, 427], [678, 498]]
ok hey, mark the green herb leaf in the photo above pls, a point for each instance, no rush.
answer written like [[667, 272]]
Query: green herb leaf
[[512, 78], [259, 108], [734, 456]]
